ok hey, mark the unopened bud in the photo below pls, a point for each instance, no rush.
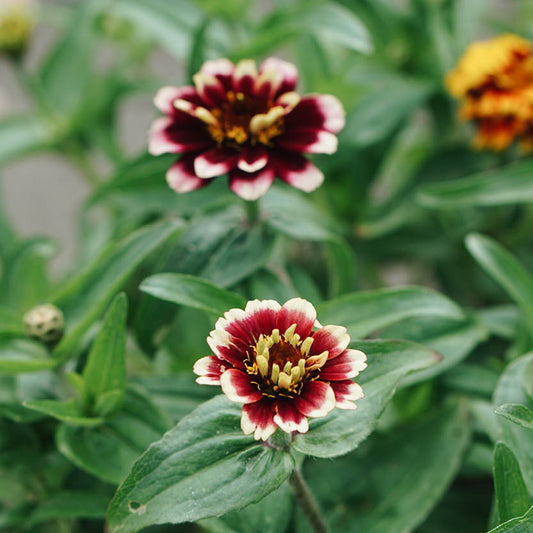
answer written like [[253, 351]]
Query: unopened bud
[[44, 323], [17, 20]]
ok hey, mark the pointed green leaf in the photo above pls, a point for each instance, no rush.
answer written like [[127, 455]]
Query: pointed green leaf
[[505, 269], [519, 414], [84, 298], [365, 312], [523, 524], [70, 412], [193, 292], [203, 467], [23, 355], [105, 372], [511, 492], [343, 430]]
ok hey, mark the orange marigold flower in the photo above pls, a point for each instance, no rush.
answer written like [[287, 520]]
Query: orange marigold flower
[[493, 81]]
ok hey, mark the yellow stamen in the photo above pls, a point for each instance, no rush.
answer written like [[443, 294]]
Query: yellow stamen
[[275, 373], [289, 333], [306, 345], [284, 380]]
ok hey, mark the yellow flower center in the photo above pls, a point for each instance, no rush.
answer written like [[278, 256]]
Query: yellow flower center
[[280, 364]]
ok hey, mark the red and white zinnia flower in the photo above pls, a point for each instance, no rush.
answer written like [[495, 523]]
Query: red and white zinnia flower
[[245, 122], [282, 365]]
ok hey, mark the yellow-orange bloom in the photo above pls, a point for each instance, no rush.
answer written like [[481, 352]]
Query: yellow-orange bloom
[[493, 81]]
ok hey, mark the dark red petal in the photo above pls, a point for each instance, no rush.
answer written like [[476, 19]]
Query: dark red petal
[[252, 159], [345, 393], [262, 316], [209, 369], [258, 418], [215, 162], [323, 112], [166, 96], [210, 89], [221, 69], [288, 74], [181, 177], [317, 399], [168, 136], [230, 353], [237, 387], [296, 170], [297, 311], [308, 140], [244, 76], [334, 339], [251, 186], [288, 418], [345, 366]]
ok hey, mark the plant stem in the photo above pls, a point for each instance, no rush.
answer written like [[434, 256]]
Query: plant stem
[[252, 211], [307, 501]]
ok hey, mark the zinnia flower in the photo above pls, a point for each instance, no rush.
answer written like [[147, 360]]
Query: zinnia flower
[[494, 83], [247, 123], [268, 358]]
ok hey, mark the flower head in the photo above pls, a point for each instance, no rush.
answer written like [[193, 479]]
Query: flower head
[[245, 122], [271, 359], [16, 24], [494, 83]]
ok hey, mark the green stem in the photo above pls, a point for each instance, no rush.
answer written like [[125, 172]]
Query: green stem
[[252, 211], [307, 501]]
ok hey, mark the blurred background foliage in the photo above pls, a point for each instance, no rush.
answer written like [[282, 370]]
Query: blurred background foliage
[[403, 191]]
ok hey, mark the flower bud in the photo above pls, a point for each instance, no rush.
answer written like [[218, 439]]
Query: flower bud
[[44, 323], [17, 20]]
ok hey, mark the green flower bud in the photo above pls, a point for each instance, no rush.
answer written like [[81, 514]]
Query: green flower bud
[[44, 323]]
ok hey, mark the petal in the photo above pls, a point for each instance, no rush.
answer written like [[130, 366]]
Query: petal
[[237, 387], [167, 136], [251, 186], [258, 418], [244, 76], [165, 97], [323, 112], [232, 354], [288, 73], [290, 419], [215, 162], [309, 141], [345, 366], [181, 177], [297, 311], [262, 316], [210, 89], [346, 391], [334, 339], [209, 368], [297, 171], [252, 159], [317, 399], [221, 69]]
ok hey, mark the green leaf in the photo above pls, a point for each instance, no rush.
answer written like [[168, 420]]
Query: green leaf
[[70, 505], [105, 372], [392, 482], [239, 257], [519, 414], [10, 322], [365, 312], [23, 355], [382, 110], [25, 281], [66, 74], [193, 292], [214, 468], [71, 411], [507, 185], [511, 492], [523, 524], [505, 269], [342, 430], [109, 450], [21, 135], [518, 438], [84, 298]]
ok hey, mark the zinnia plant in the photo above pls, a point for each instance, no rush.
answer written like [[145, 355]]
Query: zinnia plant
[[269, 358], [248, 123]]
